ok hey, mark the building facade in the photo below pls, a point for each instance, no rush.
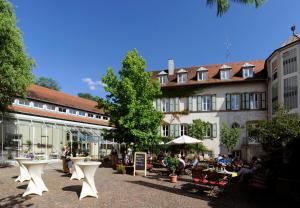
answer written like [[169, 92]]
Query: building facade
[[284, 76], [47, 120], [234, 94]]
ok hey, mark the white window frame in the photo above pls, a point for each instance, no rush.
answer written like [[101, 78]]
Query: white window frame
[[163, 79], [225, 74], [255, 101], [38, 105], [183, 129], [202, 75], [82, 112], [62, 111], [208, 131], [165, 130], [248, 72], [50, 107], [165, 104], [206, 102], [72, 112], [182, 77], [26, 102], [235, 102]]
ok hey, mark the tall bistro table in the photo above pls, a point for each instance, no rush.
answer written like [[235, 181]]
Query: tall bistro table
[[77, 172], [36, 184], [24, 175], [88, 185]]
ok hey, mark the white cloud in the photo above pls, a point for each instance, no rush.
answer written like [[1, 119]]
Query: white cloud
[[93, 85]]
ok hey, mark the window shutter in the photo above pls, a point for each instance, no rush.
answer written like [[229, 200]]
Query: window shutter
[[263, 100], [177, 130], [214, 130], [158, 104], [247, 101], [190, 103], [172, 105], [213, 101], [199, 103], [160, 131], [228, 101], [177, 104], [172, 130]]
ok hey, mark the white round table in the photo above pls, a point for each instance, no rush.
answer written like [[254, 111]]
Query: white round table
[[88, 185], [36, 184], [77, 172], [24, 175]]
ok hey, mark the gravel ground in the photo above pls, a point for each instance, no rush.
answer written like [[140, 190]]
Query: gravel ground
[[124, 191]]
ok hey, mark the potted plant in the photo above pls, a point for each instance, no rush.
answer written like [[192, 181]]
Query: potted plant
[[173, 164]]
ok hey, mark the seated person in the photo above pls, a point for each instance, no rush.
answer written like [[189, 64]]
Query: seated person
[[238, 164], [256, 165], [223, 161], [195, 161], [181, 164]]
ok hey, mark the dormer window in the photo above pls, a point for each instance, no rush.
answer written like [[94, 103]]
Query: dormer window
[[248, 70], [202, 74], [163, 77], [225, 72], [181, 76]]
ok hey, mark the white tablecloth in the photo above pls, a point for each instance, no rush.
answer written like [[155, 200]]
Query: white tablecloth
[[77, 172], [24, 175], [88, 185], [36, 184]]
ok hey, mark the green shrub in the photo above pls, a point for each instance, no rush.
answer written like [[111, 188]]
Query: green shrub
[[121, 169], [173, 164]]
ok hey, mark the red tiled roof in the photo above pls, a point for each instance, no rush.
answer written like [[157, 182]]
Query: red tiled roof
[[43, 94], [56, 115], [213, 74]]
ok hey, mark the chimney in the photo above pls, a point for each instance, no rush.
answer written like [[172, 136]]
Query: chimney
[[171, 66]]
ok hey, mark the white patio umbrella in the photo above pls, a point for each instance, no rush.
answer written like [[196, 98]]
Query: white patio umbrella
[[184, 140]]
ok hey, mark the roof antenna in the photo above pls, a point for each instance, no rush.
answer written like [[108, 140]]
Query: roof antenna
[[227, 53], [293, 28]]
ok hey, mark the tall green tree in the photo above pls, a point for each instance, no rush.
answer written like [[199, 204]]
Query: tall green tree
[[198, 129], [129, 102], [224, 5], [229, 137], [280, 138], [15, 66], [88, 96], [48, 83]]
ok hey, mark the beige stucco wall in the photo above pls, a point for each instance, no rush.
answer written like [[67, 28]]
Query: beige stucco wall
[[221, 115]]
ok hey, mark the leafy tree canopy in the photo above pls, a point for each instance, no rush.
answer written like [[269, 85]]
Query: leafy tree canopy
[[280, 137], [48, 83], [129, 102], [88, 96], [224, 5], [198, 129], [15, 66], [229, 137]]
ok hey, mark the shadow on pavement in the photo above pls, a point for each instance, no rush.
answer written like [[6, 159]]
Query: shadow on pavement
[[22, 186], [74, 188], [15, 201]]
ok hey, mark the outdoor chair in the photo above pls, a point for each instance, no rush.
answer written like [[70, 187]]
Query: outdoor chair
[[212, 179]]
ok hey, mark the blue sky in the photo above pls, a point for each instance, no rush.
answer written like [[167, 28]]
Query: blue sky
[[71, 40]]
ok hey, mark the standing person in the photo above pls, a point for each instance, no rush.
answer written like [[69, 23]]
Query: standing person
[[68, 160], [64, 162]]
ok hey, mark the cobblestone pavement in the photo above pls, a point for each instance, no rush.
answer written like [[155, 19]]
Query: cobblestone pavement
[[116, 191]]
